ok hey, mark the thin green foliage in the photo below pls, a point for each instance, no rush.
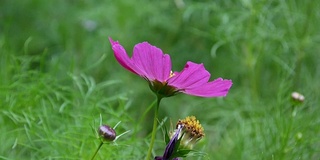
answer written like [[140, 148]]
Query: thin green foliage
[[58, 75]]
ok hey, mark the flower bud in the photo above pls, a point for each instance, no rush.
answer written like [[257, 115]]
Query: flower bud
[[107, 133], [297, 97], [171, 148]]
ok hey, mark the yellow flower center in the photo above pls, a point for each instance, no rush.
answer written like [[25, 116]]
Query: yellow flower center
[[192, 127]]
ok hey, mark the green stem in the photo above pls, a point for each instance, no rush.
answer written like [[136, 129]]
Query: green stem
[[154, 129], [142, 118], [97, 150], [288, 132]]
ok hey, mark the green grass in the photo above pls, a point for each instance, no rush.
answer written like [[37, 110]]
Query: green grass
[[59, 79]]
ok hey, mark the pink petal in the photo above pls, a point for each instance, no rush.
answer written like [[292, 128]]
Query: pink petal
[[151, 60], [193, 75], [121, 56], [216, 88]]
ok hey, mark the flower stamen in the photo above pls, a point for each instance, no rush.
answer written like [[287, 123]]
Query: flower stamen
[[192, 129], [171, 74]]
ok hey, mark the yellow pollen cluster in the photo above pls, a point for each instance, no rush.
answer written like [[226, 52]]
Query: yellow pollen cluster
[[192, 127], [171, 74]]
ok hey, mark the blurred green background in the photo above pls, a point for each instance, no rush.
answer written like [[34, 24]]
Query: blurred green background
[[58, 76]]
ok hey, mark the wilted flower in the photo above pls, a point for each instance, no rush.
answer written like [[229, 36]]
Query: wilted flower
[[192, 130], [150, 63], [188, 131]]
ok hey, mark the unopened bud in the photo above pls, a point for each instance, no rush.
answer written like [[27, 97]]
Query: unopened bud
[[107, 133], [297, 97]]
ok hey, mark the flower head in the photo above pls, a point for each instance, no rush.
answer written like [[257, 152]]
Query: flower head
[[150, 63], [188, 131], [193, 131]]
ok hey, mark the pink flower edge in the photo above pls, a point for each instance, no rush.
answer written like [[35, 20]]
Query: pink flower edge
[[216, 88], [147, 61]]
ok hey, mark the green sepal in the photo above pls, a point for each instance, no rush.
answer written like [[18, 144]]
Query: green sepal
[[166, 135], [181, 153]]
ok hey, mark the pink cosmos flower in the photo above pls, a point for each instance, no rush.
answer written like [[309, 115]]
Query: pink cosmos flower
[[150, 63]]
